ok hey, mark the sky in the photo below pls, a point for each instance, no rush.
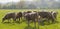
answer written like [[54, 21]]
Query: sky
[[6, 1], [57, 0]]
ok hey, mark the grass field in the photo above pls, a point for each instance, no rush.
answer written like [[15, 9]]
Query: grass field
[[23, 25]]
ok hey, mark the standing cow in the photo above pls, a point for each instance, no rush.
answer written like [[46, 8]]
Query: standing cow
[[31, 16], [18, 16], [54, 13], [47, 15]]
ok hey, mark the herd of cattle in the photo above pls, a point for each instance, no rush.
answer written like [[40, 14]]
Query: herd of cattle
[[32, 16]]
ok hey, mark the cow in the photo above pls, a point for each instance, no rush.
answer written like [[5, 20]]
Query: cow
[[8, 17], [24, 13], [18, 16], [14, 16], [54, 13], [47, 15], [31, 16]]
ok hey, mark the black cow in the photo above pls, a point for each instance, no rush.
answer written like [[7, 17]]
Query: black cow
[[18, 16], [31, 16], [9, 16], [14, 16], [54, 13], [47, 15]]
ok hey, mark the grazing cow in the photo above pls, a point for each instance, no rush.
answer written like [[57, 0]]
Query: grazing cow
[[54, 13], [19, 15], [47, 15], [9, 16], [24, 13], [31, 16], [14, 16]]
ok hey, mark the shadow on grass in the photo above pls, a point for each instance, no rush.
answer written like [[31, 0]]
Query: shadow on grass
[[29, 27], [57, 22], [42, 24], [18, 22], [8, 23]]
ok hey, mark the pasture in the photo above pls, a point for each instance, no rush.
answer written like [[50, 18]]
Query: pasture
[[23, 24]]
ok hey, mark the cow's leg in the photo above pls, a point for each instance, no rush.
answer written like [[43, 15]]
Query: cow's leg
[[38, 23], [41, 21], [28, 24], [14, 19], [35, 24], [38, 19], [48, 21], [53, 21], [19, 19]]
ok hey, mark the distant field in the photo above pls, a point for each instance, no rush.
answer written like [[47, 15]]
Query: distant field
[[23, 25]]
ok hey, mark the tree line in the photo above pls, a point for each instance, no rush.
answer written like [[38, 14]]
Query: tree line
[[30, 5]]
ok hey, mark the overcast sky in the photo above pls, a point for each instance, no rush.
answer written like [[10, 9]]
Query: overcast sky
[[5, 1]]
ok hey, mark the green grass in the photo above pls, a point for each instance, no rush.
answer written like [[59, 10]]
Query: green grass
[[23, 25]]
